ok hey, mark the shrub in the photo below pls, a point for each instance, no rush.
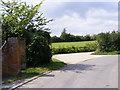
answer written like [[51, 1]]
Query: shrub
[[108, 41], [25, 21], [115, 40], [39, 51], [104, 42], [92, 46]]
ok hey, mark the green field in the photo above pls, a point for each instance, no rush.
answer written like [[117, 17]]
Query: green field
[[70, 44], [73, 47]]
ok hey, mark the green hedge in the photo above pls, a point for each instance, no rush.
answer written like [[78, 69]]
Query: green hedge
[[108, 41], [74, 49]]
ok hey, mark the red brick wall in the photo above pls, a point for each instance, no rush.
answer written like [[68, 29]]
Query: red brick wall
[[13, 56], [22, 46]]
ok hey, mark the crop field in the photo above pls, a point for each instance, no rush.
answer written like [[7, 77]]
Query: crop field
[[70, 44]]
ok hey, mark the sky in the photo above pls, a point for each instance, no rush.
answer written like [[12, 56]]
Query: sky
[[81, 18], [78, 17]]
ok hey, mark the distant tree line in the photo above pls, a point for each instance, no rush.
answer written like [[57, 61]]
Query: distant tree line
[[67, 37], [106, 42]]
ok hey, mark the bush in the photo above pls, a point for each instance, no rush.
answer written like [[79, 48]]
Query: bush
[[115, 40], [108, 41], [25, 21], [38, 51], [104, 42]]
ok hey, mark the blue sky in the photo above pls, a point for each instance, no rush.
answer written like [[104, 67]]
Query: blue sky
[[80, 7], [80, 18]]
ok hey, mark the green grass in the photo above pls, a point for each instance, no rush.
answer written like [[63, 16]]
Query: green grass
[[73, 47], [30, 72], [106, 53], [69, 44]]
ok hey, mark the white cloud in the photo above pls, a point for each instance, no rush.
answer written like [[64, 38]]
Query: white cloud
[[81, 0], [101, 13], [96, 21], [48, 7]]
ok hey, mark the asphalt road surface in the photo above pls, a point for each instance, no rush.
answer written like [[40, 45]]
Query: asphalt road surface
[[99, 72]]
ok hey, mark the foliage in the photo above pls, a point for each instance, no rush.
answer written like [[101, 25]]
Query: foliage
[[103, 40], [38, 51], [21, 20], [115, 40], [25, 21], [73, 48], [56, 39], [67, 37], [75, 44], [64, 35], [94, 37], [87, 38], [108, 41]]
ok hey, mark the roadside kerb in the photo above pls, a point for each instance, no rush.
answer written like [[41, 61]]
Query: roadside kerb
[[22, 82]]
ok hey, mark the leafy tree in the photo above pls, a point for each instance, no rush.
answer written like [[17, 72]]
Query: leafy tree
[[67, 37], [94, 37], [78, 38], [24, 21], [108, 41], [21, 20], [39, 51], [56, 39], [63, 35], [115, 40], [87, 38], [104, 42]]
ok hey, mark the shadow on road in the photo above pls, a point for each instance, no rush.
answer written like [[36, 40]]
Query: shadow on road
[[78, 68]]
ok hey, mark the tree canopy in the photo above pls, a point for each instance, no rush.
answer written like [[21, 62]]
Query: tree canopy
[[20, 20], [25, 21], [67, 37]]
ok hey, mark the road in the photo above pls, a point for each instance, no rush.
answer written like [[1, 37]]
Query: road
[[97, 72]]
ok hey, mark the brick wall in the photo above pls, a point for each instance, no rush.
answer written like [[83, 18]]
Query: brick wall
[[13, 56]]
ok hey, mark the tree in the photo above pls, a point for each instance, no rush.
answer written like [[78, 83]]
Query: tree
[[56, 39], [94, 37], [63, 34], [87, 38], [21, 20], [104, 42], [24, 21], [115, 40], [108, 41]]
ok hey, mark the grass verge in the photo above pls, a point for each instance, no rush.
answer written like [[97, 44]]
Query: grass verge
[[30, 72], [106, 53]]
